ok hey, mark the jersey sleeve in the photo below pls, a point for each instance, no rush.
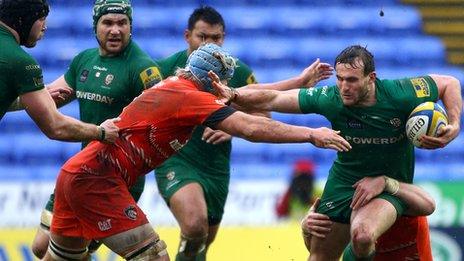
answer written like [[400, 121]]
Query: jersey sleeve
[[147, 74], [198, 107], [243, 76], [28, 74], [317, 100], [411, 92]]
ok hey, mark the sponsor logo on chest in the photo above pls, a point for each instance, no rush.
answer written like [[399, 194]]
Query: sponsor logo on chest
[[94, 97]]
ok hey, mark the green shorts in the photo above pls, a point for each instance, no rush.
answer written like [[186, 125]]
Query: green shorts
[[173, 175], [337, 197], [136, 192]]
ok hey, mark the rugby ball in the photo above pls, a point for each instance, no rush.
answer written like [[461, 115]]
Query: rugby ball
[[426, 119]]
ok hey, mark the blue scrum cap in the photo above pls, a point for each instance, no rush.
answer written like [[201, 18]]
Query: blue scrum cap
[[210, 57]]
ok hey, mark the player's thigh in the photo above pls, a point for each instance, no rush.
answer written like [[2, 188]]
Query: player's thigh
[[188, 204], [331, 247], [374, 218]]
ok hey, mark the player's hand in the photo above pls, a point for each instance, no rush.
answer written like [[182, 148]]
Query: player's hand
[[60, 94], [111, 130], [366, 189], [315, 224], [222, 91], [444, 136], [327, 138], [215, 136], [315, 73]]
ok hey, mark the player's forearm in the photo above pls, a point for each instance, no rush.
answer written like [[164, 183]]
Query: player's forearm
[[255, 99], [452, 100], [285, 85], [69, 129], [266, 130]]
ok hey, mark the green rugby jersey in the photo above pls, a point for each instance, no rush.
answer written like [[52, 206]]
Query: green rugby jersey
[[376, 133], [213, 159], [19, 72], [105, 85]]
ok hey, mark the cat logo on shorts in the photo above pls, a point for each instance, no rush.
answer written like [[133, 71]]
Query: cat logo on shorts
[[421, 87], [131, 212], [109, 79]]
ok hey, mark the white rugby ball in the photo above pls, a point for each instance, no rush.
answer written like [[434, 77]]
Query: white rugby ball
[[426, 119]]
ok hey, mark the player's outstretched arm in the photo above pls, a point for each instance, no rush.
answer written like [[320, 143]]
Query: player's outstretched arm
[[261, 129], [449, 91], [308, 78], [264, 100], [57, 126], [419, 202]]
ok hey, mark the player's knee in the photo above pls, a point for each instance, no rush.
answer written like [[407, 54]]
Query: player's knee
[[363, 240], [60, 253], [197, 226], [192, 246], [39, 248]]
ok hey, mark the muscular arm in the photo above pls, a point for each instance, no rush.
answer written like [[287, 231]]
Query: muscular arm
[[449, 91], [268, 100], [55, 125], [261, 129], [419, 202], [309, 77]]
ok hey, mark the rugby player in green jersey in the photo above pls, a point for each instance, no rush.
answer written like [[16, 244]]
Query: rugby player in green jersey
[[195, 182], [104, 80], [22, 22], [371, 115]]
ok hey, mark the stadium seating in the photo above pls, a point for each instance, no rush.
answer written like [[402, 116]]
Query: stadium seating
[[276, 38]]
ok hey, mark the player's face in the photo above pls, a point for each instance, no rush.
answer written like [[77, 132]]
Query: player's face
[[204, 33], [354, 86], [37, 32], [113, 33]]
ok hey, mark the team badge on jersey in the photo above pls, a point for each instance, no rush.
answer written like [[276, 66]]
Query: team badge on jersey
[[421, 86], [131, 212], [171, 175], [396, 122], [84, 76], [109, 79], [150, 77]]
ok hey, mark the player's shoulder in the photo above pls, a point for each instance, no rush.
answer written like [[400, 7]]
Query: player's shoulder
[[21, 60], [86, 54]]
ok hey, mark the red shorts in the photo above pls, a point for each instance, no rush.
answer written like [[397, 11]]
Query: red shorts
[[407, 239], [93, 206]]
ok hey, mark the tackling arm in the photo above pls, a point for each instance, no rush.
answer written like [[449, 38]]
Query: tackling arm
[[57, 126], [261, 129]]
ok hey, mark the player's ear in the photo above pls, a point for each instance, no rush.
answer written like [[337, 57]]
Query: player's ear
[[372, 76]]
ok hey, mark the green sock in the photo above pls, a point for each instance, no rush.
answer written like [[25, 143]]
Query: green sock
[[348, 255]]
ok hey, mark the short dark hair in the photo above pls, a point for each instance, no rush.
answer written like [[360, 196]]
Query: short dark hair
[[206, 14], [351, 53]]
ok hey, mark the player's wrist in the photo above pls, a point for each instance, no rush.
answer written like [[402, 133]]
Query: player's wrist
[[101, 133], [233, 96], [391, 185]]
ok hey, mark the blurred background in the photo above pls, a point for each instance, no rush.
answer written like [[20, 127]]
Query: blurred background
[[277, 39]]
